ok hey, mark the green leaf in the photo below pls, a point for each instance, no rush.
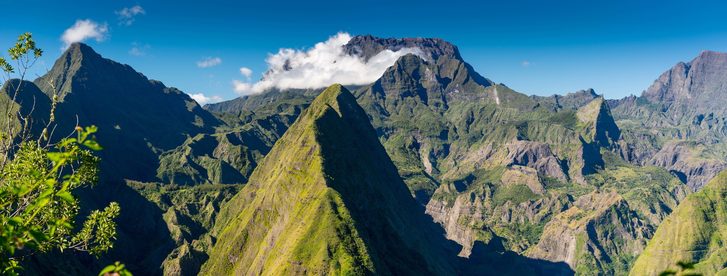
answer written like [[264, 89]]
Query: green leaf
[[55, 156], [107, 269], [93, 145], [65, 196]]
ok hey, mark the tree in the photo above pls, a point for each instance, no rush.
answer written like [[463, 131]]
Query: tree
[[38, 177]]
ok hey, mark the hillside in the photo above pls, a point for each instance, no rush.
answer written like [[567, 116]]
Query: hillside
[[326, 199], [566, 183], [695, 232], [495, 166]]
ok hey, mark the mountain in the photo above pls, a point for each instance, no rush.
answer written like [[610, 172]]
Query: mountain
[[367, 46], [137, 118], [24, 100], [495, 167], [326, 199], [695, 232], [679, 121], [522, 184]]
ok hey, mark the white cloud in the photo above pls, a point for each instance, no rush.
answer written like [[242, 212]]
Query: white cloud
[[324, 64], [202, 99], [247, 72], [525, 63], [127, 16], [138, 50], [82, 30], [209, 62]]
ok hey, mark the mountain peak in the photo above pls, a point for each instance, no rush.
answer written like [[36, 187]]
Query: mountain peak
[[693, 87], [709, 54], [332, 202], [599, 123], [80, 49], [368, 46]]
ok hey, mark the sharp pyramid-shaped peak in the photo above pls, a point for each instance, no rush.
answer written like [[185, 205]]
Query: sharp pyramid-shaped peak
[[327, 200], [80, 65], [126, 106], [591, 111], [334, 96], [78, 50], [599, 123]]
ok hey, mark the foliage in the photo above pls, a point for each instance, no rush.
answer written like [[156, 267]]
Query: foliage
[[116, 269], [38, 209], [37, 178]]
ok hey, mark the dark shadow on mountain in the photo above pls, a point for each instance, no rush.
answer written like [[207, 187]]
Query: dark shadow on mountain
[[492, 259], [143, 240], [400, 236]]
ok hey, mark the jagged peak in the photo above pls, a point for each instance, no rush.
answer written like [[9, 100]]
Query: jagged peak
[[367, 46], [335, 96], [711, 54], [591, 111], [599, 123], [78, 48]]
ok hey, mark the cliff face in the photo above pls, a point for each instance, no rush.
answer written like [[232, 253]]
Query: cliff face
[[679, 121]]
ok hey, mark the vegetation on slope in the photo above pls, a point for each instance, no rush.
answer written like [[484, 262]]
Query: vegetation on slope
[[325, 200], [696, 232]]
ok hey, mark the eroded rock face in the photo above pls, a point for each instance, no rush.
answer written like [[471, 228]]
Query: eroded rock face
[[684, 105], [577, 229], [681, 159], [472, 216], [601, 229], [535, 155]]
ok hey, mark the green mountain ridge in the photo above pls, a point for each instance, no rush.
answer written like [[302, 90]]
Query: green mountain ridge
[[305, 211], [474, 151], [541, 185], [695, 232]]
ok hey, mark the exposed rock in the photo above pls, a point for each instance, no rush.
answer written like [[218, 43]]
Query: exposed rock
[[536, 155], [368, 46], [597, 228], [680, 158]]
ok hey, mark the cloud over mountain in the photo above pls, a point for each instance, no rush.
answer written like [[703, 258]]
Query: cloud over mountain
[[82, 30], [202, 99], [320, 66]]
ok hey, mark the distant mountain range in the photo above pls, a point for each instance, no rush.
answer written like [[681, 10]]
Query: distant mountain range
[[431, 169]]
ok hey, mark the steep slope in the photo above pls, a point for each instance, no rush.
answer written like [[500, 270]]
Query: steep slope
[[696, 232], [25, 101], [326, 199], [496, 168], [137, 118], [679, 121]]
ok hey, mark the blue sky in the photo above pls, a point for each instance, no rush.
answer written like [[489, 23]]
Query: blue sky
[[536, 47]]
